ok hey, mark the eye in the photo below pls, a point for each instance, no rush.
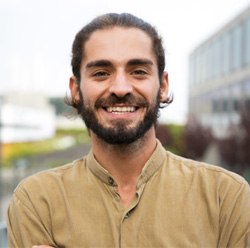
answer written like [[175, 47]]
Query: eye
[[100, 74], [139, 74]]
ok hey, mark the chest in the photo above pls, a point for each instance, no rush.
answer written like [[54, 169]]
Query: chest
[[157, 217]]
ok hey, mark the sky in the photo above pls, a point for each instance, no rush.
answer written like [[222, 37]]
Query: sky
[[36, 38]]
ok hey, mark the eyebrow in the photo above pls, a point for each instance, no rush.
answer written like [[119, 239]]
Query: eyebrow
[[133, 62], [107, 63], [99, 63]]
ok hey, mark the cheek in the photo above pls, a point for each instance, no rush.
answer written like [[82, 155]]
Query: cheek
[[88, 95], [150, 91], [92, 91]]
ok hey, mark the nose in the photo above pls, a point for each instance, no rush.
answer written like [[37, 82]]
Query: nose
[[120, 85]]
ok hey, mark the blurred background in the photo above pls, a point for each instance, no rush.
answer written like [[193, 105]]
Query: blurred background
[[208, 60]]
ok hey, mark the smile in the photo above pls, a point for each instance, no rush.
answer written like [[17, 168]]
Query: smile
[[121, 109]]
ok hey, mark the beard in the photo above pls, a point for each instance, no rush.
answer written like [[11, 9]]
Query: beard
[[119, 134]]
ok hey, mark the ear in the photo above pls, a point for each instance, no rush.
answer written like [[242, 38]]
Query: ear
[[74, 89], [164, 88]]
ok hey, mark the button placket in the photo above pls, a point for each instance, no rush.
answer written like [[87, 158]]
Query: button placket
[[127, 215]]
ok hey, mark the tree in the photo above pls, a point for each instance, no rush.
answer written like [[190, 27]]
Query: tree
[[196, 138]]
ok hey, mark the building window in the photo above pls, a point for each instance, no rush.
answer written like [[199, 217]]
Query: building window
[[209, 61], [191, 70], [246, 51], [213, 60], [235, 105], [217, 58], [225, 105], [247, 103], [246, 88], [237, 47], [226, 52]]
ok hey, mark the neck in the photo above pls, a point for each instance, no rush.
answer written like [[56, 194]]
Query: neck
[[124, 162]]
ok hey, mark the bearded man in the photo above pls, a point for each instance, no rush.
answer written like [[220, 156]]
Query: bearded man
[[128, 191]]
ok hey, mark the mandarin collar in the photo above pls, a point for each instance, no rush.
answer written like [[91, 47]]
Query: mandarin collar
[[151, 166]]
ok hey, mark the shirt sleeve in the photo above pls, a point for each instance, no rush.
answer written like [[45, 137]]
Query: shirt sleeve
[[235, 217], [25, 226]]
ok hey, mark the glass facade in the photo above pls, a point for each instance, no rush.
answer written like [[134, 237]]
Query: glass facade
[[226, 48], [237, 37], [246, 45], [226, 53], [219, 74]]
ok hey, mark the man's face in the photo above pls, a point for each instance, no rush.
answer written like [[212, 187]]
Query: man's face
[[119, 87]]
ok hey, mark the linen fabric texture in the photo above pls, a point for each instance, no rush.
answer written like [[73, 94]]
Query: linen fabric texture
[[178, 203]]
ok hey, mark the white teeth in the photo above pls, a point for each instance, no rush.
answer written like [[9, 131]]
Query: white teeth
[[120, 109]]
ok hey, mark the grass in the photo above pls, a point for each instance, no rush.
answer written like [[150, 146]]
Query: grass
[[62, 140]]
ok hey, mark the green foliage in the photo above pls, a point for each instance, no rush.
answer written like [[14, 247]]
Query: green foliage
[[177, 134], [62, 140], [80, 135], [246, 175], [170, 136]]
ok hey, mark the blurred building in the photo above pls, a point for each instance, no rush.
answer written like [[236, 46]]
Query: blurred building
[[219, 76], [66, 118], [26, 117]]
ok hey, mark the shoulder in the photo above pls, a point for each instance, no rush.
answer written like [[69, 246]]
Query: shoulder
[[215, 185], [203, 172], [51, 179]]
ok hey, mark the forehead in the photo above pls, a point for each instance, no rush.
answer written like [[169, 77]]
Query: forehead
[[118, 44]]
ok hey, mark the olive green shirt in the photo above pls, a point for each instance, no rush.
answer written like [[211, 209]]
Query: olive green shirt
[[178, 203]]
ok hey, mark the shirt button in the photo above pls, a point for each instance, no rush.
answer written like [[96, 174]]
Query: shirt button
[[111, 180], [127, 215]]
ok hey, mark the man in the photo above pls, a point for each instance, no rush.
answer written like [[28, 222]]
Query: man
[[128, 191]]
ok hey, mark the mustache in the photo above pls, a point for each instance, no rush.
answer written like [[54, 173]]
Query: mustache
[[127, 99]]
